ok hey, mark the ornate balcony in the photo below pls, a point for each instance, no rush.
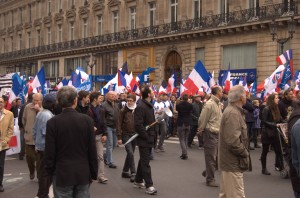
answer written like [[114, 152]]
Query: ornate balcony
[[193, 28]]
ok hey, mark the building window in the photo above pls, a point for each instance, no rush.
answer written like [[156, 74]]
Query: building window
[[242, 56], [72, 3], [59, 33], [85, 28], [224, 9], [115, 21], [110, 63], [49, 7], [99, 29], [20, 41], [72, 31], [288, 5], [254, 6], [48, 36], [12, 18], [59, 5], [51, 68], [200, 55], [152, 10], [21, 15], [38, 41], [197, 9], [174, 4], [72, 63], [132, 18], [11, 43], [28, 39], [29, 12]]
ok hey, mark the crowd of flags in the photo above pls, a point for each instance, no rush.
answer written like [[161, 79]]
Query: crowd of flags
[[198, 81]]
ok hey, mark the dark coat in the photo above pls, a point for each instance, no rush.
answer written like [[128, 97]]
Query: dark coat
[[270, 128], [82, 109], [144, 116], [250, 108], [125, 123], [70, 152], [293, 173], [98, 115], [197, 108], [111, 113], [184, 113], [283, 105]]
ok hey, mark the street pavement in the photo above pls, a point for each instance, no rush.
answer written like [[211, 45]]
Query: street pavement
[[172, 177]]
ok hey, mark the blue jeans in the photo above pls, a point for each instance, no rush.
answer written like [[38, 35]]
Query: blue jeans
[[111, 142], [78, 191]]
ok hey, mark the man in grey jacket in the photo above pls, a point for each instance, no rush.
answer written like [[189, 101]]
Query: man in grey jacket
[[234, 157]]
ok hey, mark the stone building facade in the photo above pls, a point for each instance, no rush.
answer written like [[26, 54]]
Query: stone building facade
[[169, 35]]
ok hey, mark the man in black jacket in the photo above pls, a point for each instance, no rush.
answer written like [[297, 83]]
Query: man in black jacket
[[70, 153], [197, 108], [144, 116], [183, 123], [286, 104]]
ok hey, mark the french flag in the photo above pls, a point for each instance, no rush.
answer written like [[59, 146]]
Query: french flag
[[253, 88], [163, 88], [121, 79], [243, 82], [15, 90], [183, 89], [197, 79], [227, 81], [39, 80], [212, 81], [285, 57]]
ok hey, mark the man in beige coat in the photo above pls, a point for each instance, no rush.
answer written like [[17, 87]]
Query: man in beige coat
[[6, 131], [233, 143], [28, 119]]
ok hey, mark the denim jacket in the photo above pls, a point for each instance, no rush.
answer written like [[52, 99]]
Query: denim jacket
[[39, 129]]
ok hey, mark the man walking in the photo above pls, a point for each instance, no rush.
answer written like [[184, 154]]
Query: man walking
[[197, 108], [28, 119], [6, 131], [233, 153], [111, 116], [70, 153], [183, 124], [144, 116], [209, 124]]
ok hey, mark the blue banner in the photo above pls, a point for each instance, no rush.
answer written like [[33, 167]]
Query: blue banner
[[297, 75], [103, 78], [237, 73]]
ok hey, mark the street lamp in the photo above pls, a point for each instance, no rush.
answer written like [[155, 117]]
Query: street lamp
[[291, 31], [91, 62]]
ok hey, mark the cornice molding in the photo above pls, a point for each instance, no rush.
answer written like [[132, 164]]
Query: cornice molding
[[37, 22], [28, 25], [113, 3], [47, 19], [84, 12], [98, 6]]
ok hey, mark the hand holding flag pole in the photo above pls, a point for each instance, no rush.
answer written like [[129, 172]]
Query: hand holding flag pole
[[166, 112]]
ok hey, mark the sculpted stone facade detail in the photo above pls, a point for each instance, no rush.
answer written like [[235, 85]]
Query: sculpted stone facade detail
[[113, 3]]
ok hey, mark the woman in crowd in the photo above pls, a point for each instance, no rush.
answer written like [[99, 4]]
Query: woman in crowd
[[125, 130], [271, 118]]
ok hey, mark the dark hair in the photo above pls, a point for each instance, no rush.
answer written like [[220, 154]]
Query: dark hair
[[215, 89], [66, 96], [132, 96], [296, 104], [5, 98], [50, 105], [297, 92], [145, 91], [18, 99], [185, 97], [30, 97], [82, 94], [273, 107], [286, 92], [94, 95]]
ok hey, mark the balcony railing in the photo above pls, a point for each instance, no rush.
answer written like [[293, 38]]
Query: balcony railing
[[203, 23]]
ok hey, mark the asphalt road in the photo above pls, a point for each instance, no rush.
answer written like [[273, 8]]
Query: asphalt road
[[172, 177]]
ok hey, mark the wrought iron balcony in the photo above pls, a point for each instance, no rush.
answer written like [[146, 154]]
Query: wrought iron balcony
[[152, 32]]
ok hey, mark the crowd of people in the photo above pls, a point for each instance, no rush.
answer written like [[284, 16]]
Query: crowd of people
[[63, 135]]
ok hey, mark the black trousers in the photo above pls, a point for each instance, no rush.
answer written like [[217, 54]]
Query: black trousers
[[278, 154], [2, 158], [144, 169], [45, 180]]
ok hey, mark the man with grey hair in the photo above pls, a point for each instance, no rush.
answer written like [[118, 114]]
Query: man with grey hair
[[234, 157], [70, 152], [209, 124]]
